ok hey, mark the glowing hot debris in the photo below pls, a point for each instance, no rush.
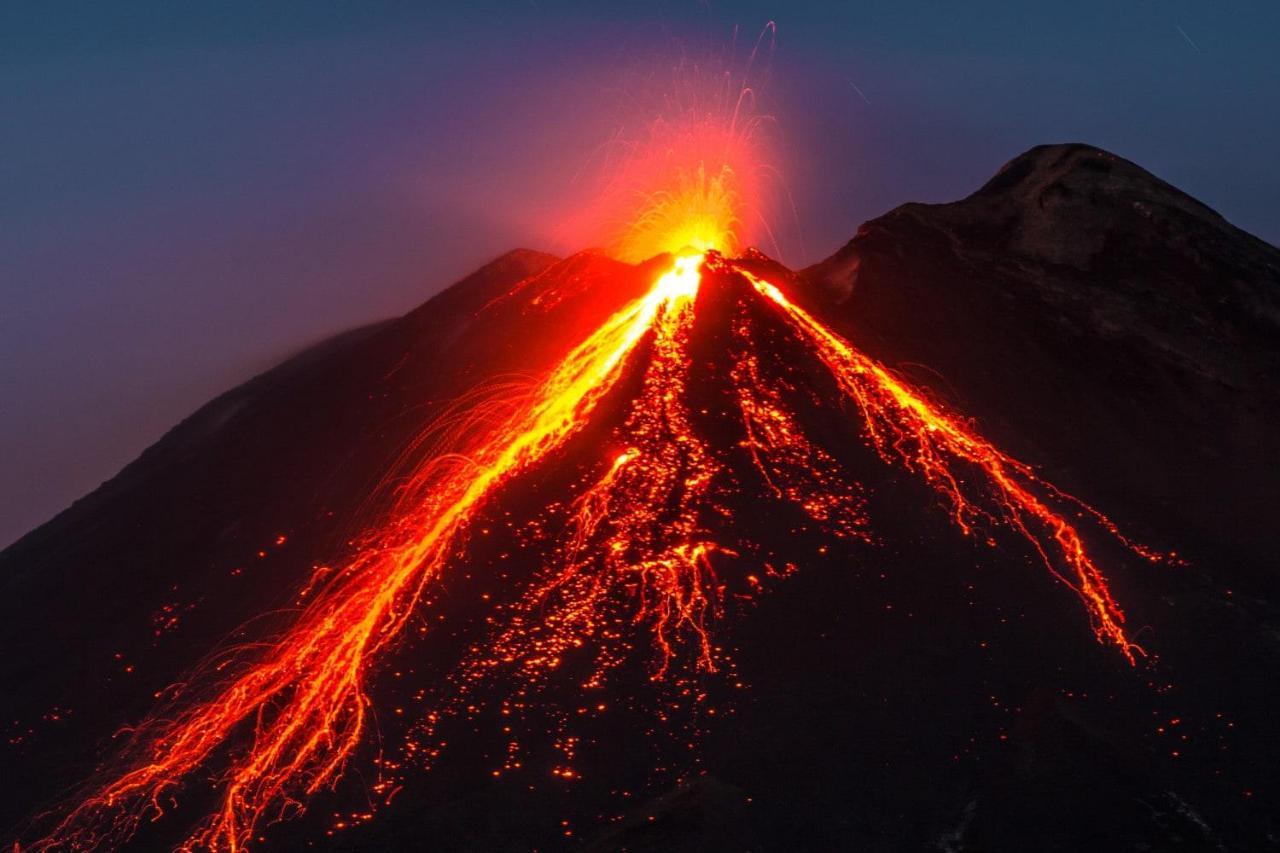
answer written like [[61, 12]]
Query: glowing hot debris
[[638, 542], [905, 427], [303, 703], [701, 214]]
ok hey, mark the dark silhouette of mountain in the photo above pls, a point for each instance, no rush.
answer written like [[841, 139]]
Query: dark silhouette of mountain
[[916, 691], [1102, 323]]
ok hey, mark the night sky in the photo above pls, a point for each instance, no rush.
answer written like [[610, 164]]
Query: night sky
[[190, 192]]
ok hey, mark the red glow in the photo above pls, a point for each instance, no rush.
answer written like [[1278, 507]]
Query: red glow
[[696, 178]]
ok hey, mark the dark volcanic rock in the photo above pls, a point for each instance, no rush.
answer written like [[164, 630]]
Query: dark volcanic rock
[[921, 691], [1101, 323]]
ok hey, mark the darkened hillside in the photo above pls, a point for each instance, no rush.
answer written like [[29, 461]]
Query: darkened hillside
[[736, 608], [1101, 323]]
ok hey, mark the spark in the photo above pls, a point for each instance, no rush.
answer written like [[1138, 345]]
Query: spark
[[688, 169], [1184, 35]]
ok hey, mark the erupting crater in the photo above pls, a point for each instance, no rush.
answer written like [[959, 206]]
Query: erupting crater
[[679, 406]]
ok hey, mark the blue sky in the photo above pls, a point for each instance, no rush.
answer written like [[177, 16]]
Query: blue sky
[[190, 191]]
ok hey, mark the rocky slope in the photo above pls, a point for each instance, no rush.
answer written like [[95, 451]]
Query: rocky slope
[[1102, 322], [916, 692]]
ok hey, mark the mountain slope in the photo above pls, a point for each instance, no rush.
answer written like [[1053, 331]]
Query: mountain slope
[[1101, 323], [880, 679], [184, 540]]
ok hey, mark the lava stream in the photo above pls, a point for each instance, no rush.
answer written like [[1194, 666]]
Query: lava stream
[[306, 697], [905, 427]]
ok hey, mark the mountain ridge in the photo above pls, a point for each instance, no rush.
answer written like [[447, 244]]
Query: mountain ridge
[[1019, 327]]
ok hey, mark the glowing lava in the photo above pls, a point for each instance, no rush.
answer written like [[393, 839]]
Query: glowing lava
[[285, 718], [904, 427], [699, 213], [303, 702], [697, 178]]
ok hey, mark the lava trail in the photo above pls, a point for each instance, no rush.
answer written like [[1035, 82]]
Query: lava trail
[[286, 718], [305, 699], [904, 427]]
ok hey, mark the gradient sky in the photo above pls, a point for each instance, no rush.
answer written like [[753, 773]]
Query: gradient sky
[[191, 191]]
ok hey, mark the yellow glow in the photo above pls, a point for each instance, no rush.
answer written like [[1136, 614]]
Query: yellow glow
[[698, 212], [680, 283]]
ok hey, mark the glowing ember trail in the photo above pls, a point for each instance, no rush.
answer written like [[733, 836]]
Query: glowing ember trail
[[640, 540], [904, 427], [305, 700]]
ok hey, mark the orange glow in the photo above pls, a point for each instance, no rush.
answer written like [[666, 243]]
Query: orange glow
[[304, 701], [638, 539], [651, 498], [697, 209], [695, 179]]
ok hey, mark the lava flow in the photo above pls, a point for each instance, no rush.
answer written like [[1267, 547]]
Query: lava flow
[[903, 426], [636, 538], [304, 700]]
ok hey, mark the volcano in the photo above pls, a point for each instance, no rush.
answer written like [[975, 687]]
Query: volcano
[[957, 540]]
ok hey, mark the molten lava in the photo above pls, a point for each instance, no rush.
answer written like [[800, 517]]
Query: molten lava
[[904, 427], [279, 722], [698, 213]]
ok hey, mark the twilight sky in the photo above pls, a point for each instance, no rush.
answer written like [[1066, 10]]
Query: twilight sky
[[191, 191]]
